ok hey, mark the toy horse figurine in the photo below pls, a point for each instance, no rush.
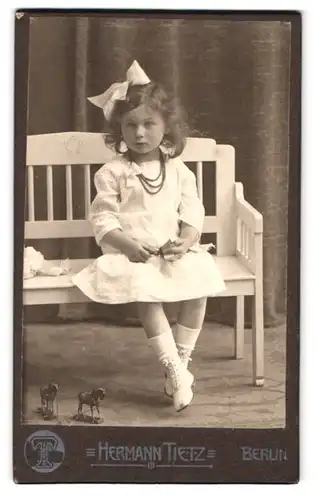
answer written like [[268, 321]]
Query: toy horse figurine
[[48, 395], [90, 399]]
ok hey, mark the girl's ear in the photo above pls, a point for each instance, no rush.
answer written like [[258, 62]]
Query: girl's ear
[[167, 147]]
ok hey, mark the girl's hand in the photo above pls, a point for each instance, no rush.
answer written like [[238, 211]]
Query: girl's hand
[[137, 252], [134, 250], [175, 250]]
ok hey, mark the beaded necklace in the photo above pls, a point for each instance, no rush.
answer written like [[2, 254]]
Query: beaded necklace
[[154, 186]]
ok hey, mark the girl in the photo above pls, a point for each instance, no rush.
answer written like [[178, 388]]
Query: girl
[[147, 219]]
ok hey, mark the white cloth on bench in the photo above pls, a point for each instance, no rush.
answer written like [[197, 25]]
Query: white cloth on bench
[[121, 202], [34, 264]]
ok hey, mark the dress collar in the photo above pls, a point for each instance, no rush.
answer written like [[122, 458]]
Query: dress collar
[[135, 168]]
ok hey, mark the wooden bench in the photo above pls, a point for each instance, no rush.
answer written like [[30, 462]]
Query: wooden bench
[[238, 226]]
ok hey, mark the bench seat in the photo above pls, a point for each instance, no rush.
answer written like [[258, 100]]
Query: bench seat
[[60, 289]]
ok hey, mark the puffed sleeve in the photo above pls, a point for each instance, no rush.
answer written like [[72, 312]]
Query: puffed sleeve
[[105, 206], [191, 209]]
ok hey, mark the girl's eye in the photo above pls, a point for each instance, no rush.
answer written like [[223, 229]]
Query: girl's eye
[[149, 123]]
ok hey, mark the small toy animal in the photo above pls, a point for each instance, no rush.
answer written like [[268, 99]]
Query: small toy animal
[[48, 395], [90, 399]]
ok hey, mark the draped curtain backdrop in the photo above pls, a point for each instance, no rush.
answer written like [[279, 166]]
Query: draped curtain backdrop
[[233, 79]]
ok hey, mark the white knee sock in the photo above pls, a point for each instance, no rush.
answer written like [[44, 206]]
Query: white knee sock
[[164, 346], [186, 337]]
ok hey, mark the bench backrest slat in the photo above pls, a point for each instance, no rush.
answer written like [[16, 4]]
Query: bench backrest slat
[[82, 150], [87, 189], [30, 192], [69, 199], [50, 200]]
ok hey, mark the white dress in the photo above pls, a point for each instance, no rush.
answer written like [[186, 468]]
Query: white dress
[[122, 202]]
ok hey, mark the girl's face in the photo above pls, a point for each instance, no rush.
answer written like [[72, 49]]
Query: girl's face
[[143, 130]]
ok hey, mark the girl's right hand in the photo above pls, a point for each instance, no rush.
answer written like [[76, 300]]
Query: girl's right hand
[[133, 249], [137, 252]]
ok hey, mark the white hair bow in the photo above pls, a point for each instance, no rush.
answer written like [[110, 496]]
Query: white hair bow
[[135, 76]]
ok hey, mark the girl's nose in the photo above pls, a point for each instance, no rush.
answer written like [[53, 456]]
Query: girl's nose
[[140, 131]]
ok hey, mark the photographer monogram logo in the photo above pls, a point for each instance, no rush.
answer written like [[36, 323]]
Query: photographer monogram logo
[[44, 451]]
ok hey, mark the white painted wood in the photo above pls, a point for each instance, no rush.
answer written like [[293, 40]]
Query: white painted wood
[[200, 149], [80, 228], [69, 295], [246, 262], [210, 224], [245, 246], [87, 190], [243, 228], [250, 246], [69, 210], [54, 296], [240, 327], [59, 281], [49, 282], [238, 234], [78, 148], [199, 178], [34, 296], [40, 230], [257, 318], [225, 200], [49, 190], [30, 193], [238, 287], [67, 148], [246, 242], [230, 267], [44, 289], [252, 253], [246, 212]]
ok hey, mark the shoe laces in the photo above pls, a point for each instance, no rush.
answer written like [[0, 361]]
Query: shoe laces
[[173, 373], [184, 355]]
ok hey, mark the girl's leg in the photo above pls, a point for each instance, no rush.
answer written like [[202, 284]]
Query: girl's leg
[[153, 318], [192, 313], [189, 325], [161, 340], [188, 328]]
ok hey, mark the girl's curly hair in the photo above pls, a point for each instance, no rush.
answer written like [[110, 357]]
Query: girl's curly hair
[[156, 98]]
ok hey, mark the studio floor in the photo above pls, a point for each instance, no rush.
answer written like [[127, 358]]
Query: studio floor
[[80, 356]]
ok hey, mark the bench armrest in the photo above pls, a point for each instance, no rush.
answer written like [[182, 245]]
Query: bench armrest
[[249, 233], [246, 212]]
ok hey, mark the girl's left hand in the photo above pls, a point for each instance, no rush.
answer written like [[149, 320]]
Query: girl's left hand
[[176, 250]]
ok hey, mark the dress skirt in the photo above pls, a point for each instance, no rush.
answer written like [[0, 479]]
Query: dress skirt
[[114, 279]]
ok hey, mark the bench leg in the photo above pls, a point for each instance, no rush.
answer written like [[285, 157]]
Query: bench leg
[[258, 338], [239, 327]]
